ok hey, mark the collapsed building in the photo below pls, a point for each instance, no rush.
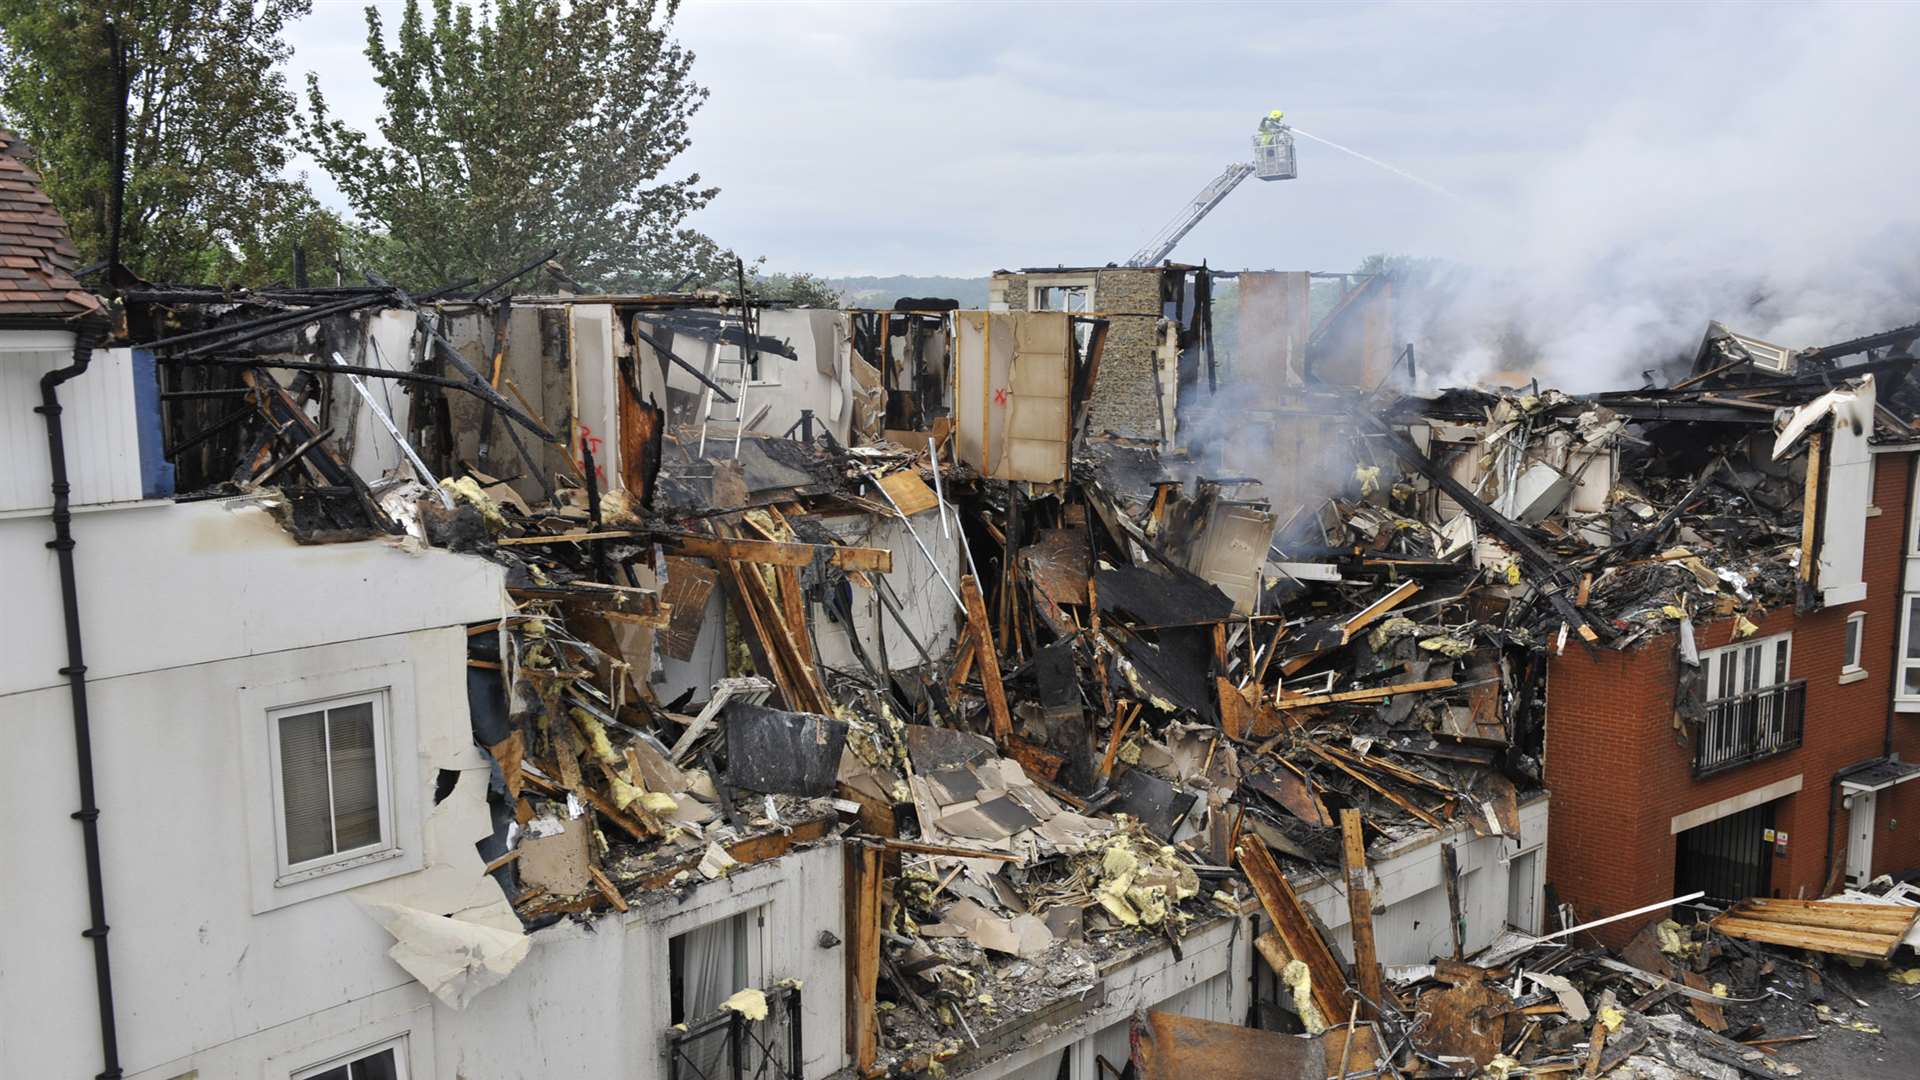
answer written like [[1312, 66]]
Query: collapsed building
[[686, 686]]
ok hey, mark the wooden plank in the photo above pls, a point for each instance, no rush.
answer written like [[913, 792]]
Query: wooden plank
[[1450, 877], [793, 611], [1373, 694], [1713, 1016], [1392, 797], [1296, 930], [1895, 921], [1597, 1039], [607, 889], [1882, 917], [510, 752], [1371, 761], [948, 852], [1370, 614], [863, 954], [800, 685], [1867, 946], [773, 553], [1810, 507], [1236, 715], [986, 658], [962, 665], [1366, 961], [580, 536], [1118, 735], [909, 492]]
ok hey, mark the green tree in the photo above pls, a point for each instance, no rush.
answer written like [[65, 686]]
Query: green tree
[[523, 125], [800, 290], [208, 139]]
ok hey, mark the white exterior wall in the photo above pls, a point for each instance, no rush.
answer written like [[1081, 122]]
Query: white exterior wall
[[593, 1001], [1211, 981], [195, 617], [96, 417], [1843, 538], [924, 600], [1408, 881], [786, 386], [387, 343]]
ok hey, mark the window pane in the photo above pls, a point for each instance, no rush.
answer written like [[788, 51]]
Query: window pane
[[1779, 662], [338, 1072], [303, 786], [380, 1066], [356, 788], [1913, 627], [1910, 684], [1850, 653]]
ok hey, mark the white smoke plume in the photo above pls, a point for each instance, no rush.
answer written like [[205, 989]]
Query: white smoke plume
[[1772, 186]]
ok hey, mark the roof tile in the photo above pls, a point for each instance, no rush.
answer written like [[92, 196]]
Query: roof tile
[[37, 256]]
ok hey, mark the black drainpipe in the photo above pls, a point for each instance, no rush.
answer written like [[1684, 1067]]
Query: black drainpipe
[[76, 672]]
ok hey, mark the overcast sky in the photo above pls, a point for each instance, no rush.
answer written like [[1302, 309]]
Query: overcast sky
[[1592, 145]]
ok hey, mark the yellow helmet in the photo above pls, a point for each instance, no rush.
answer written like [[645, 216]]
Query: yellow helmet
[[1276, 115]]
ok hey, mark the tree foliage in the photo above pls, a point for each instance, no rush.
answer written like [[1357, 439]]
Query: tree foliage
[[523, 125], [800, 290], [208, 131]]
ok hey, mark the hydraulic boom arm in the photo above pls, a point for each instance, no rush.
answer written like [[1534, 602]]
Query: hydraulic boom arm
[[1170, 235]]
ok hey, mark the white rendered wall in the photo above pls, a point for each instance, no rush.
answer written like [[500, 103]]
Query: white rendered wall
[[592, 1000], [790, 385], [165, 585], [1413, 929], [186, 611]]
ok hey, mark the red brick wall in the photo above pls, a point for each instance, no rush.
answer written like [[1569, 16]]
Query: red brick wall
[[1619, 770]]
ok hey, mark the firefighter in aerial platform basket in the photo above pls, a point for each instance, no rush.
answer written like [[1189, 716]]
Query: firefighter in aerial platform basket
[[1271, 126]]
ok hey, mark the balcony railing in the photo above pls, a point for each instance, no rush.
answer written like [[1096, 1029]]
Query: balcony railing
[[1757, 724], [728, 1046]]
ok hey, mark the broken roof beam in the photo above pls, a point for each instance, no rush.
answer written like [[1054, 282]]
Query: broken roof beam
[[987, 658], [1326, 983], [1366, 962], [1371, 694], [1370, 614], [774, 553]]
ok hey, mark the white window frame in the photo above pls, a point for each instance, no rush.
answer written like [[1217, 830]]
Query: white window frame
[[398, 1046], [761, 959], [403, 776], [1085, 283], [1852, 668], [1913, 519], [1909, 610], [286, 871], [1714, 661]]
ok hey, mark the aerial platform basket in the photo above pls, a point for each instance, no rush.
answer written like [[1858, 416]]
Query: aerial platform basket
[[1273, 155]]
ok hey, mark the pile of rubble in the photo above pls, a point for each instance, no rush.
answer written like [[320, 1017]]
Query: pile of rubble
[[1123, 697]]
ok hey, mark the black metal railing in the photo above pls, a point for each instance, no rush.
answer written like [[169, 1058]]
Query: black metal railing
[[1754, 725], [728, 1046]]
